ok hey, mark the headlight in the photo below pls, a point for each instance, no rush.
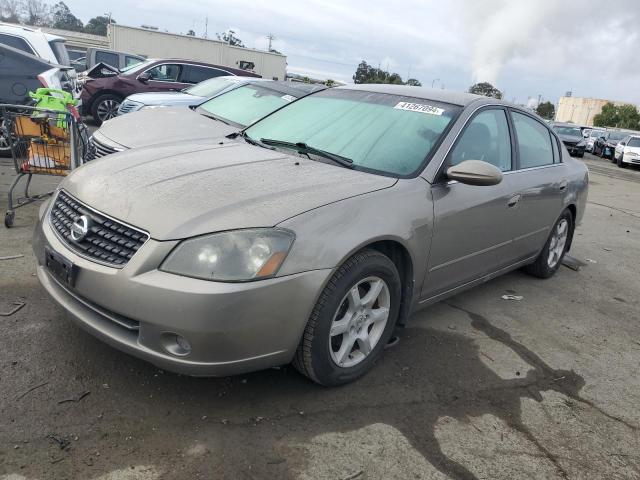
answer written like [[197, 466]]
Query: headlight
[[146, 107], [235, 256]]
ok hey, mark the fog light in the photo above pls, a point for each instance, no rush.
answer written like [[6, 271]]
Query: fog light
[[175, 344]]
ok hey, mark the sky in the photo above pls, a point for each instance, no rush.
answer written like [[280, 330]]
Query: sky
[[527, 48]]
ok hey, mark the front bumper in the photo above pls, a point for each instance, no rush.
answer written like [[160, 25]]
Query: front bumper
[[232, 327], [632, 160], [575, 149]]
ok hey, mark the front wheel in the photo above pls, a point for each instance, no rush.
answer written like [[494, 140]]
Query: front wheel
[[352, 320], [105, 107], [551, 255], [620, 162]]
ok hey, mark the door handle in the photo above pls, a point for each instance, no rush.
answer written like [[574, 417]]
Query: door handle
[[513, 201], [563, 185]]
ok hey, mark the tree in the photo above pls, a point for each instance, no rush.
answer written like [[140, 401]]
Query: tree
[[36, 13], [191, 33], [366, 73], [98, 25], [620, 116], [64, 19], [546, 110], [486, 89], [230, 37], [10, 11], [330, 82], [414, 83]]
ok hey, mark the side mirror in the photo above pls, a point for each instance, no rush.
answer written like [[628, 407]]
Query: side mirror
[[475, 172], [144, 77], [622, 143]]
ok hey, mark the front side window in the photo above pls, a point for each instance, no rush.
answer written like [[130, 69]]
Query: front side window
[[109, 58], [166, 72], [16, 42], [485, 138], [247, 104], [533, 141], [389, 134]]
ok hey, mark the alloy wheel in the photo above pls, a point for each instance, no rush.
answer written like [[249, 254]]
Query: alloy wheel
[[558, 242], [107, 109], [359, 322]]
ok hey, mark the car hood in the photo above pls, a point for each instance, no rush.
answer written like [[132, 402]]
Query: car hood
[[163, 125], [177, 191], [166, 98]]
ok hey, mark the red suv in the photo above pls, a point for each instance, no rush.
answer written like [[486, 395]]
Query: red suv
[[104, 88]]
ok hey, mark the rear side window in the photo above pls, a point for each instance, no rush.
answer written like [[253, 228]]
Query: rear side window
[[485, 138], [16, 42], [195, 74], [533, 141], [109, 58]]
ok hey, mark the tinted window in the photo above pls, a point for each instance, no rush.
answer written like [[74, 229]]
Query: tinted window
[[390, 134], [485, 138], [60, 51], [165, 72], [533, 140], [194, 74], [109, 58], [634, 142], [15, 42], [615, 137], [130, 61]]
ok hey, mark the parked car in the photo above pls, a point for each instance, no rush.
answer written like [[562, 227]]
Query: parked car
[[103, 92], [310, 235], [21, 73], [572, 138], [119, 60], [189, 97], [606, 144], [222, 115], [627, 151], [593, 136]]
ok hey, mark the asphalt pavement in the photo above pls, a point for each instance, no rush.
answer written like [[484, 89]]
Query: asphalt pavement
[[479, 387]]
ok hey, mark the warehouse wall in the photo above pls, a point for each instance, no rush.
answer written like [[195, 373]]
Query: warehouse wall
[[154, 44], [580, 110]]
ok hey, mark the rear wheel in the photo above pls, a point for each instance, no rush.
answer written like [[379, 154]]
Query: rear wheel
[[551, 255], [352, 320], [105, 107]]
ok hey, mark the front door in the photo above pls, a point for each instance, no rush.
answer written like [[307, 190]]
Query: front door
[[472, 232], [164, 77]]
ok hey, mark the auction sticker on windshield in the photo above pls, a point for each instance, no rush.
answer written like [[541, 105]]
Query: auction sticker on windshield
[[419, 107], [288, 98]]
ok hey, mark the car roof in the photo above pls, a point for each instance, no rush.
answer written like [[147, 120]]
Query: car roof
[[31, 30], [289, 88], [446, 96]]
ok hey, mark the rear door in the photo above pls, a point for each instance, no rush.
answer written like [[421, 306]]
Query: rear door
[[473, 224], [541, 181]]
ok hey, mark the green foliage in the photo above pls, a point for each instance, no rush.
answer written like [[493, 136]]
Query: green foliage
[[230, 37], [64, 19], [10, 11], [486, 89], [546, 110], [98, 25], [36, 13], [330, 83], [619, 116], [191, 33], [414, 83], [366, 73]]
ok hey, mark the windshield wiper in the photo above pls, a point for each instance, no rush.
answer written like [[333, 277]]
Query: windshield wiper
[[302, 147], [202, 111]]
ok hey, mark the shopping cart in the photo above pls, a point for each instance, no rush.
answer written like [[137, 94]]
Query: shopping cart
[[43, 142]]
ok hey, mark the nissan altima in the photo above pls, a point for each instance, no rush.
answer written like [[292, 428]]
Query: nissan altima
[[309, 236]]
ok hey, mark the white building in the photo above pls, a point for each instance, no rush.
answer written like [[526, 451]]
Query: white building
[[581, 110]]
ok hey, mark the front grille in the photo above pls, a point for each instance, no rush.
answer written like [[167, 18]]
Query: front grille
[[108, 241], [98, 149], [128, 106]]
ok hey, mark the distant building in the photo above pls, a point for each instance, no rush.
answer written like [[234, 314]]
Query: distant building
[[580, 110]]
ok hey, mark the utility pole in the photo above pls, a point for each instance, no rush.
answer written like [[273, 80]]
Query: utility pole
[[434, 81], [206, 27], [271, 38]]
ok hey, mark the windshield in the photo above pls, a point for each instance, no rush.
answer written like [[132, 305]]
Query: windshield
[[616, 136], [379, 132], [634, 142], [247, 104], [136, 66], [210, 88], [568, 131], [60, 51], [596, 133]]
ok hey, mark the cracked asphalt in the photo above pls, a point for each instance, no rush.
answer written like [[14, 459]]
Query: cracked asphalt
[[478, 387]]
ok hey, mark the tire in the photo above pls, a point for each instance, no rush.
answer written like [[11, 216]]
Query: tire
[[105, 107], [319, 352], [620, 163], [544, 267], [9, 217], [5, 144]]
